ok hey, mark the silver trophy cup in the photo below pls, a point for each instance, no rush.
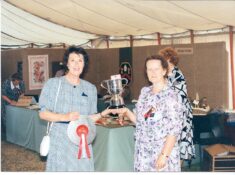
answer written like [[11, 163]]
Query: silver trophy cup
[[115, 89]]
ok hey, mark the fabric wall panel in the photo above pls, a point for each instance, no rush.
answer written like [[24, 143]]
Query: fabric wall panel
[[103, 64], [205, 70]]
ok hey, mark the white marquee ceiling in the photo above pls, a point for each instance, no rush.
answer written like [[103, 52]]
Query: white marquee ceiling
[[78, 21]]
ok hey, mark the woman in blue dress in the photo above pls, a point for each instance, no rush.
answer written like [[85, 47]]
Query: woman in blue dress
[[177, 81], [75, 97], [158, 121]]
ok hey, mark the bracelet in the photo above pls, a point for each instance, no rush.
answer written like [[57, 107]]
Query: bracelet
[[164, 155]]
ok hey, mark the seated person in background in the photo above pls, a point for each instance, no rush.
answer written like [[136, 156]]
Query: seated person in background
[[126, 94], [12, 89], [204, 104], [104, 97], [62, 71]]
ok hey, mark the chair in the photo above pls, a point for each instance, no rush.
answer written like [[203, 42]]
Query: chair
[[215, 129], [217, 123]]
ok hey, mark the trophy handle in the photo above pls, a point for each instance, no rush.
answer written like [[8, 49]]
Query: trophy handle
[[126, 82], [102, 84]]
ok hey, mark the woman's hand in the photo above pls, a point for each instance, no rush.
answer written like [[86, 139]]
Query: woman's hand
[[161, 162], [13, 103], [121, 113], [105, 112], [72, 116], [22, 95]]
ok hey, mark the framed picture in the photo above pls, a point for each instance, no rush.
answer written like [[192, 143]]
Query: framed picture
[[126, 71], [38, 71]]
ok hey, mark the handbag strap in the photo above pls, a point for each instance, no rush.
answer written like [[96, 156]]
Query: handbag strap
[[49, 124]]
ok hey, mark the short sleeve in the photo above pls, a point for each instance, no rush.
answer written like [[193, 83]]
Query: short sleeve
[[174, 123], [93, 109], [44, 100], [142, 94]]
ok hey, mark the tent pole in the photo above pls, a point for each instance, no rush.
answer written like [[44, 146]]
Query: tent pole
[[31, 45], [191, 36], [158, 38], [107, 41], [232, 63], [131, 41]]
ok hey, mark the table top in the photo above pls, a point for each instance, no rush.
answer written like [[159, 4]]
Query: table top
[[113, 148], [230, 111], [199, 115]]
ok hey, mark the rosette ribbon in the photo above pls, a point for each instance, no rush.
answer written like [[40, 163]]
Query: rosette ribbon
[[82, 132]]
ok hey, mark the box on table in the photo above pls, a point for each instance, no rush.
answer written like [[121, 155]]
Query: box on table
[[219, 157], [24, 101]]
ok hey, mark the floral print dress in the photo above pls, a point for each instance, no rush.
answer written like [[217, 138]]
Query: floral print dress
[[158, 115]]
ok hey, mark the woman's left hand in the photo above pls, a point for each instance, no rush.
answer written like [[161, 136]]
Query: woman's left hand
[[22, 95], [120, 111], [72, 116], [161, 162], [105, 112]]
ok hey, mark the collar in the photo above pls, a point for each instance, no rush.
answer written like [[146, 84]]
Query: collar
[[12, 86], [175, 69]]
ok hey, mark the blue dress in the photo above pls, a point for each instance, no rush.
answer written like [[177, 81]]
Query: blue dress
[[81, 98]]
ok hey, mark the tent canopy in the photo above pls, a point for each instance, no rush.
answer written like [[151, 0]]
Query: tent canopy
[[79, 21]]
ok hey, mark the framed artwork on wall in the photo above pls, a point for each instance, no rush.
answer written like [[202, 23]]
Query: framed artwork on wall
[[38, 71]]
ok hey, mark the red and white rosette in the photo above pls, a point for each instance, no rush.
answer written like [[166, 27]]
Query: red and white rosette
[[82, 132]]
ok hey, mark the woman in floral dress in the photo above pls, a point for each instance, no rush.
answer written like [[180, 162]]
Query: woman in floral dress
[[177, 81], [158, 121]]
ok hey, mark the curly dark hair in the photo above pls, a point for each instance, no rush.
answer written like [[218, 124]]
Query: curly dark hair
[[77, 50], [170, 54], [163, 61], [16, 76]]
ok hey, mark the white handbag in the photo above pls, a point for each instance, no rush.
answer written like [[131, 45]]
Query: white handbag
[[45, 144]]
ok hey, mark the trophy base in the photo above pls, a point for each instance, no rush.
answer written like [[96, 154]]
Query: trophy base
[[115, 107]]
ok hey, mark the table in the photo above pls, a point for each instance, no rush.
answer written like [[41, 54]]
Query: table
[[201, 123], [24, 127], [230, 126], [113, 147]]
